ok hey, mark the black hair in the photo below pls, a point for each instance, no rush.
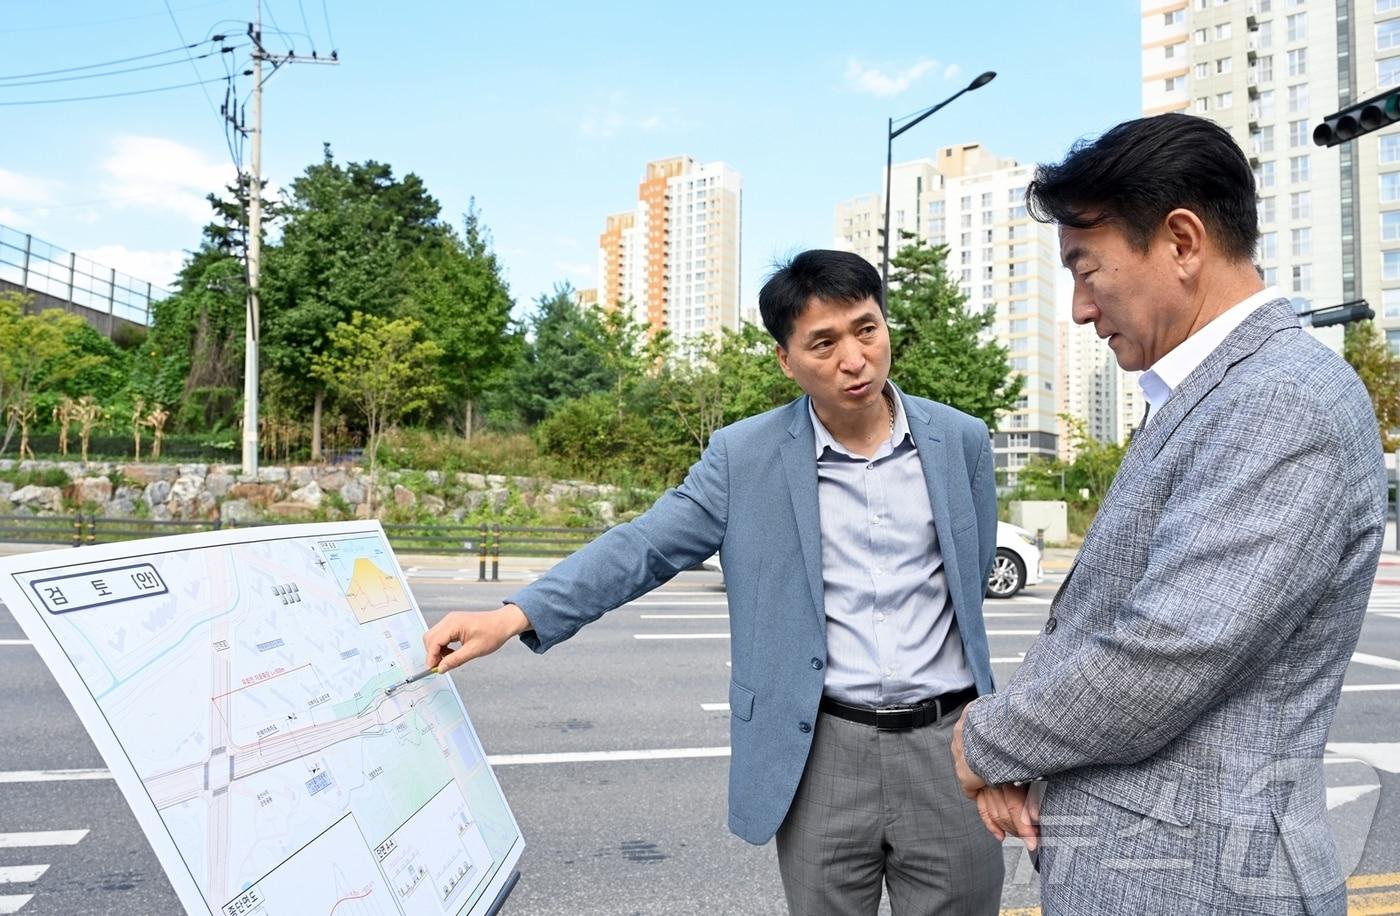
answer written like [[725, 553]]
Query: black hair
[[1141, 170], [832, 276]]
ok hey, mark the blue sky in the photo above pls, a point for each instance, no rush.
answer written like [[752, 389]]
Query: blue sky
[[545, 112]]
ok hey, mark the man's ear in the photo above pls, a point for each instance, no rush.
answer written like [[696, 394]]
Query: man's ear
[[1187, 236], [782, 354]]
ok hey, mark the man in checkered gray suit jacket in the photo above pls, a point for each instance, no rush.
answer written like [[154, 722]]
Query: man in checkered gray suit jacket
[[1178, 701]]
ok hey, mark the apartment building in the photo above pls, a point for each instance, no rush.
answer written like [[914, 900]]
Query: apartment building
[[974, 202], [1269, 71], [674, 257]]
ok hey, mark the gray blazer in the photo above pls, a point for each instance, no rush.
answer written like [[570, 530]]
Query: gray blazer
[[1180, 695], [753, 497]]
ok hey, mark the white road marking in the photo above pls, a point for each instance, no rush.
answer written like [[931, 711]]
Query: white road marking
[[1340, 795], [680, 635], [1009, 659], [685, 616], [1379, 754], [1010, 613], [715, 707], [674, 753], [645, 604], [1028, 600], [13, 903], [1013, 632], [1368, 688], [1377, 661], [41, 838], [12, 776], [21, 874], [15, 642]]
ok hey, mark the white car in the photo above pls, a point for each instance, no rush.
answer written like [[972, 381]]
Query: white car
[[1017, 562]]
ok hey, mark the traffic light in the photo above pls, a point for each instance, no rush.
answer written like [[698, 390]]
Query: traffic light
[[1363, 117], [1345, 313]]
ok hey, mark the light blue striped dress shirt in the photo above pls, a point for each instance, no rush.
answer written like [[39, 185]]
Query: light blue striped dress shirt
[[891, 636]]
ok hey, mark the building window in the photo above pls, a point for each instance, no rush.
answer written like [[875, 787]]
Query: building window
[[1390, 146], [987, 199], [1202, 105], [1298, 99], [1385, 6], [1016, 212], [967, 202], [987, 236], [1390, 226], [1202, 70], [1268, 246], [1388, 34], [1262, 140], [1300, 205], [1225, 100], [1298, 170], [1390, 187], [1175, 17], [1169, 52], [1297, 27], [1302, 243], [1388, 72], [1266, 210], [1222, 31], [1264, 175], [1202, 36], [1298, 62], [1390, 303], [1264, 69], [1266, 105], [1270, 276], [1264, 36], [966, 221], [1302, 278], [1390, 265], [1224, 65], [1298, 133], [987, 291]]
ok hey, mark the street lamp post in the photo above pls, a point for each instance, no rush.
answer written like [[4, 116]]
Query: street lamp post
[[890, 134]]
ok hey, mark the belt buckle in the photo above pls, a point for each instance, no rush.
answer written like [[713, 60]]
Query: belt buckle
[[890, 712]]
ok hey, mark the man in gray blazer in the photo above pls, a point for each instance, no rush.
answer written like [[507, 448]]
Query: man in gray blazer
[[1179, 697], [856, 526]]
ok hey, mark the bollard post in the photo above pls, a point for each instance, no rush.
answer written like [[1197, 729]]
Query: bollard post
[[496, 554], [92, 528], [1040, 539], [78, 529], [481, 554]]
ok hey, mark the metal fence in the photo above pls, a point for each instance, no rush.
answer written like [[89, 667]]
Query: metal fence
[[36, 266], [488, 543]]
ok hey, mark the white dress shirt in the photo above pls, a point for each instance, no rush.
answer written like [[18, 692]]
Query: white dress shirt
[[1167, 374]]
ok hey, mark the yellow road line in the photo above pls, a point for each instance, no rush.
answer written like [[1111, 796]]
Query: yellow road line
[[1382, 904], [1360, 882], [1022, 911]]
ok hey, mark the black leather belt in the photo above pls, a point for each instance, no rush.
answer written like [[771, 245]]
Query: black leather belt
[[898, 718]]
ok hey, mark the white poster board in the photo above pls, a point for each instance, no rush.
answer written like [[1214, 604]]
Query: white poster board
[[234, 681]]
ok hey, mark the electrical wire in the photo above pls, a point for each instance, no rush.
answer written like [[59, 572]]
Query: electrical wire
[[176, 23], [89, 76], [105, 63], [112, 95], [325, 13]]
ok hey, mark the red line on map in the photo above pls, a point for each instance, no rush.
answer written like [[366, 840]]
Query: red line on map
[[260, 683], [369, 890]]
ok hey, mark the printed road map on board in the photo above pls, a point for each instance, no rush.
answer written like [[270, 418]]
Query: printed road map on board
[[235, 683]]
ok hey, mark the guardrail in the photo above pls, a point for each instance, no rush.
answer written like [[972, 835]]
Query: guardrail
[[488, 542]]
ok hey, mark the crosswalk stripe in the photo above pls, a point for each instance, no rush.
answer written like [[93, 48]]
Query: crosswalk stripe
[[1340, 795], [15, 642], [1368, 688], [13, 776], [1375, 661], [13, 903], [41, 838], [21, 874], [680, 635]]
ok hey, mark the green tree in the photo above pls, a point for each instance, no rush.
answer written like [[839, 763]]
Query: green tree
[[1095, 463], [384, 367], [941, 349], [456, 290], [39, 355], [563, 358], [346, 231], [1366, 349], [732, 375]]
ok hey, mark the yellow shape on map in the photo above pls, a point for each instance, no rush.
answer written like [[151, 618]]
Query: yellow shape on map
[[373, 593]]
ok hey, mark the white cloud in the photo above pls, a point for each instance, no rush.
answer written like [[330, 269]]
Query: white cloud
[[162, 174], [951, 72], [158, 267], [612, 117], [878, 83], [27, 189]]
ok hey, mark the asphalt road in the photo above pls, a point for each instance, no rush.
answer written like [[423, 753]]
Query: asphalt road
[[641, 834]]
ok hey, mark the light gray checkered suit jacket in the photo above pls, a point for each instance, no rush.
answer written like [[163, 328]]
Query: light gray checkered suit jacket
[[1179, 698]]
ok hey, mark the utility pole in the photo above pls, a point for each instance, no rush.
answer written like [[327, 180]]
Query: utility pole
[[250, 334], [251, 331]]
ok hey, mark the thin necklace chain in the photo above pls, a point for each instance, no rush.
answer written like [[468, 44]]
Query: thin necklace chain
[[889, 405]]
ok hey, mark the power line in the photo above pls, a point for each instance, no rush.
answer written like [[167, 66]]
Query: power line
[[325, 13], [176, 23], [105, 63], [112, 95], [306, 25], [90, 76]]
